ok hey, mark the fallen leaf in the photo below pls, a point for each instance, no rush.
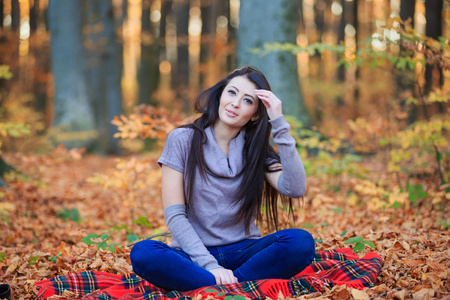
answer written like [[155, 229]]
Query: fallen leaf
[[400, 295], [359, 295], [423, 294]]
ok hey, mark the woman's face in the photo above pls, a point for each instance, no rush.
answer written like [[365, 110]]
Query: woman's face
[[238, 102]]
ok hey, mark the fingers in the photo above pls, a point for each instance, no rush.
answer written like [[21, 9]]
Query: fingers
[[224, 276], [271, 102]]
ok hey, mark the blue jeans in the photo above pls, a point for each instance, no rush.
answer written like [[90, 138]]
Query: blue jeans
[[279, 255]]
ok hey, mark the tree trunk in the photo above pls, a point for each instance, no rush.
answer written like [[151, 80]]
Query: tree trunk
[[42, 61], [148, 75], [279, 25], [433, 29], [15, 15], [34, 13], [113, 74], [320, 7], [231, 38], [91, 20], [2, 14], [180, 72], [405, 78], [165, 10], [341, 37], [72, 112], [103, 71], [349, 17], [407, 10], [209, 14]]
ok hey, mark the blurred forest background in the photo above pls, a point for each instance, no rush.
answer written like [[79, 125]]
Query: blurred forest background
[[75, 65], [364, 84]]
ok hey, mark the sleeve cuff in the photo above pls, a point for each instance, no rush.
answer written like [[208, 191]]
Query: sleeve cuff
[[212, 265], [279, 123]]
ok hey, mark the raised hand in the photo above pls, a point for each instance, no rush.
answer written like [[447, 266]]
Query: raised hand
[[271, 102], [224, 276]]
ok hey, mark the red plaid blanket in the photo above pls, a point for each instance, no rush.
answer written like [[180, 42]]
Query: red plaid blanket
[[331, 267]]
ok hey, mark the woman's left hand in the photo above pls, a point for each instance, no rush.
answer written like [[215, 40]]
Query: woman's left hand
[[271, 102]]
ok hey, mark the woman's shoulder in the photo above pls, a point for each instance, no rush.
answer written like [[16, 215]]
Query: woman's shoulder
[[181, 134]]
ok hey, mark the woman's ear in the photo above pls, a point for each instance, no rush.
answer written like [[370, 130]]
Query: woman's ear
[[254, 118]]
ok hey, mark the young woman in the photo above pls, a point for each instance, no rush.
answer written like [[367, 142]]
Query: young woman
[[217, 174]]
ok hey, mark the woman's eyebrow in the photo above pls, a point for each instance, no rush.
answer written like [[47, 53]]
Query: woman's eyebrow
[[244, 94]]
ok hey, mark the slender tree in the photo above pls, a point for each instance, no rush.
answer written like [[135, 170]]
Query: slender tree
[[405, 78], [180, 73], [72, 112], [231, 38], [34, 13], [103, 71], [148, 75], [113, 72], [2, 16], [275, 21], [166, 6], [209, 14], [433, 29], [407, 10], [15, 15], [341, 35]]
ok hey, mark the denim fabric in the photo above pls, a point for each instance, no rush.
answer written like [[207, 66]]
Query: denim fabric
[[280, 255]]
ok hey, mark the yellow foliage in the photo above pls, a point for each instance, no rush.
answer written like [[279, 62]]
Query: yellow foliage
[[147, 122], [364, 134], [19, 119], [377, 197], [415, 147], [4, 72], [127, 178], [352, 199]]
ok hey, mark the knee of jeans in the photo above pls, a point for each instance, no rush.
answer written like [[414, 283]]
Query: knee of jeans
[[301, 243], [142, 253]]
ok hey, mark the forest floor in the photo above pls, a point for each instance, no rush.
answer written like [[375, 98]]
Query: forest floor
[[45, 214]]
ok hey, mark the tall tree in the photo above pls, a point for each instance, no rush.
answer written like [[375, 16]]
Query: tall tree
[[407, 10], [180, 73], [433, 29], [405, 78], [349, 17], [341, 35], [231, 39], [166, 7], [209, 14], [2, 14], [72, 112], [148, 75], [113, 73], [34, 14], [15, 15], [275, 21], [104, 69]]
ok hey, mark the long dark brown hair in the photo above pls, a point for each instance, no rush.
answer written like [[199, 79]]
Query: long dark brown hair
[[258, 155]]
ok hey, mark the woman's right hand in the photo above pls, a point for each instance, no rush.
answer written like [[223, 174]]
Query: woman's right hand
[[223, 276]]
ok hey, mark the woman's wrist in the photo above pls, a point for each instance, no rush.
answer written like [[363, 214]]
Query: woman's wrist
[[279, 123], [280, 132]]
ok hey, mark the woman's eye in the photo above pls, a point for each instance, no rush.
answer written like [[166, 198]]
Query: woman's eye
[[231, 92], [248, 101]]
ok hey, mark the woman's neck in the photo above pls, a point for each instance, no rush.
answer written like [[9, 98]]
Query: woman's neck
[[224, 135]]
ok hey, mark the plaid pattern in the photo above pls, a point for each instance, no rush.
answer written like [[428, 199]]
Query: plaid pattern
[[331, 267]]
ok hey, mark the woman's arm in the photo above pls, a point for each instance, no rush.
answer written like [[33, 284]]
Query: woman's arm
[[182, 230], [291, 180], [172, 187]]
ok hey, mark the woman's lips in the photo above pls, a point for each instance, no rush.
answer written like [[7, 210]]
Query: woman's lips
[[231, 113]]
